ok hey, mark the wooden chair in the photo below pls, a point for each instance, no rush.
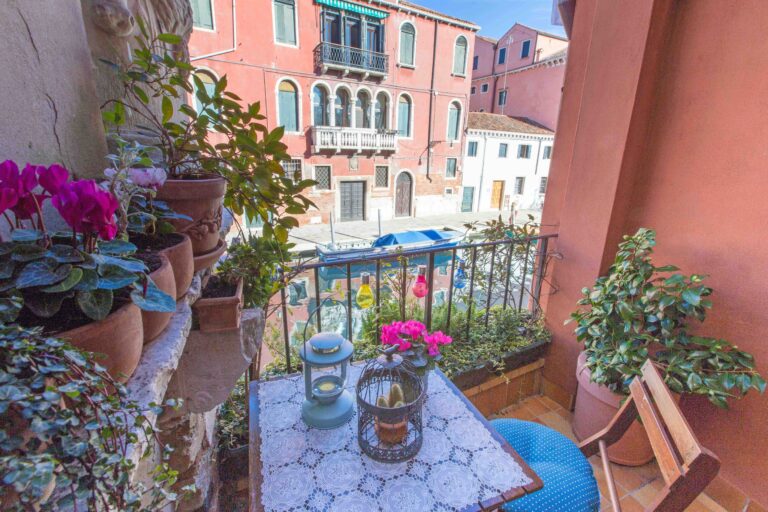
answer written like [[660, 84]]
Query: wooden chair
[[686, 466]]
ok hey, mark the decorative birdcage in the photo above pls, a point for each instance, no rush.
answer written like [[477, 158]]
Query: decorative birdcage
[[390, 398]]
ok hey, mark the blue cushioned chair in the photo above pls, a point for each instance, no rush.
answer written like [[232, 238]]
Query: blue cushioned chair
[[569, 485]]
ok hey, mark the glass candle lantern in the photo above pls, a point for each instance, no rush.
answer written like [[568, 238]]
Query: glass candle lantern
[[420, 287], [460, 276], [327, 404], [365, 297]]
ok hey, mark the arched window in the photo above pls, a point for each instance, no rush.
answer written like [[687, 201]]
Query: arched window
[[363, 110], [381, 111], [454, 120], [288, 106], [206, 82], [404, 113], [460, 56], [320, 106], [407, 44], [343, 113]]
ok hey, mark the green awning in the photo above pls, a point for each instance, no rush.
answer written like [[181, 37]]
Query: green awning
[[349, 6]]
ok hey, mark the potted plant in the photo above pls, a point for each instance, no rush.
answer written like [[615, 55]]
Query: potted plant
[[416, 344], [392, 433], [81, 284], [221, 142], [67, 428], [641, 311]]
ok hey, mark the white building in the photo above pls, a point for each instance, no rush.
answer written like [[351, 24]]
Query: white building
[[506, 163]]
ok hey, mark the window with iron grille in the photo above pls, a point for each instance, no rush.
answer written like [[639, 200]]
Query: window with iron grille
[[323, 177], [450, 168], [519, 185], [382, 176], [547, 153], [524, 151], [543, 185], [292, 169]]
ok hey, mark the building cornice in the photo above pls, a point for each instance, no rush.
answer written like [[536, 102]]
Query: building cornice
[[415, 10], [509, 135], [549, 62]]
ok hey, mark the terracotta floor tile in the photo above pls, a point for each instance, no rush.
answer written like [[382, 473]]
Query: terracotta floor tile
[[602, 484], [630, 504], [520, 413], [549, 402], [633, 478], [710, 504], [555, 421], [646, 494], [536, 407], [567, 415]]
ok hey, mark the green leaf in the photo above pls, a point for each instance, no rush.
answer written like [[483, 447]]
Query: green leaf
[[6, 269], [45, 305], [95, 304], [759, 383], [88, 282], [65, 254], [128, 264], [68, 283], [691, 297], [154, 299], [113, 277], [694, 381], [41, 273], [167, 108], [27, 252], [169, 38], [26, 235], [117, 247], [10, 307]]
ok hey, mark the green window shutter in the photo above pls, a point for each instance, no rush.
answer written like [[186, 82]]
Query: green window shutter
[[407, 41], [404, 118], [289, 115], [285, 21], [453, 122], [202, 14], [460, 56]]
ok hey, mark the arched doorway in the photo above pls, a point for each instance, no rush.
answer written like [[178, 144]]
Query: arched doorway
[[403, 194]]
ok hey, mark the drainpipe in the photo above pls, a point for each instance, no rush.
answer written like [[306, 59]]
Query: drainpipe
[[431, 105], [538, 155], [482, 172], [234, 38]]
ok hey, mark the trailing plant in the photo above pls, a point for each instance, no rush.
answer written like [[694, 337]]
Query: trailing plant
[[67, 431], [259, 262], [232, 420], [84, 268], [223, 137], [640, 311]]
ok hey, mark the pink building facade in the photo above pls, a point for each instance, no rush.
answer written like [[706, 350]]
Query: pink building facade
[[373, 109], [519, 75]]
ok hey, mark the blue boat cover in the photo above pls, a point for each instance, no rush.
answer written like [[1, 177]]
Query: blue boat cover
[[412, 237]]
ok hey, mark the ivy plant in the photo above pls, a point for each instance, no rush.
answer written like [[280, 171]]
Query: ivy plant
[[640, 311], [66, 431]]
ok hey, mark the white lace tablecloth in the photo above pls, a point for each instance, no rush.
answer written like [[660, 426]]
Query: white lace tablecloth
[[305, 469]]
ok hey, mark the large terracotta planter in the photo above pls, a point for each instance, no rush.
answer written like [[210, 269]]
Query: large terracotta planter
[[216, 314], [202, 200], [182, 263], [155, 321], [596, 405], [119, 337]]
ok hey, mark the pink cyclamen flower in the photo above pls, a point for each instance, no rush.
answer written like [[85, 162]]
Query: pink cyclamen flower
[[87, 208], [9, 185], [390, 333], [150, 177], [414, 329], [52, 178]]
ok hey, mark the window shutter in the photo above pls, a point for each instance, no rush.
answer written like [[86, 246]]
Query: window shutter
[[288, 111], [453, 123], [407, 37], [202, 14], [404, 118], [460, 56], [285, 28]]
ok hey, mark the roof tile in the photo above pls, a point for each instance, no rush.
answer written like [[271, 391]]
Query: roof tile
[[502, 123]]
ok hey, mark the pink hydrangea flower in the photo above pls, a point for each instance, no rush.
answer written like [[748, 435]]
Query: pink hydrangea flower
[[150, 177]]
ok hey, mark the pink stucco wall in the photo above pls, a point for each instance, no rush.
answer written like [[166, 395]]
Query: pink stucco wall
[[257, 65], [533, 92]]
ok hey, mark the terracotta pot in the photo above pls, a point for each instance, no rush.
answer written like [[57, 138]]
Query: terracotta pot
[[596, 405], [201, 199], [392, 433], [182, 263], [215, 314], [119, 337], [155, 322], [204, 261]]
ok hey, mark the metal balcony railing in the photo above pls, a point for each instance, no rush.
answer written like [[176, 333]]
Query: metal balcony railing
[[349, 59], [352, 139]]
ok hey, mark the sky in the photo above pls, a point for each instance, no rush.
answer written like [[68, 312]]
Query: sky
[[496, 16]]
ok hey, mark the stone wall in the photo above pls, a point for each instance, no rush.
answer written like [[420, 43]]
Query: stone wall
[[48, 109]]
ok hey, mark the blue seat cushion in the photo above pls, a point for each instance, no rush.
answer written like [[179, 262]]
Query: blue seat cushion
[[569, 485]]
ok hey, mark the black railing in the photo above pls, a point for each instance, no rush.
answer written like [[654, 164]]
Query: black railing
[[504, 274], [348, 57]]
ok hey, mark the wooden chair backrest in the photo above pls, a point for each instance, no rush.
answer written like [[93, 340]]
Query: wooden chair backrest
[[686, 466]]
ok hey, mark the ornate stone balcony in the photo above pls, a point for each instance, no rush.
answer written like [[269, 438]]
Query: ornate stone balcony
[[338, 139]]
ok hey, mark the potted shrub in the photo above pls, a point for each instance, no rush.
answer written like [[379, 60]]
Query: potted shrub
[[641, 311], [67, 428], [221, 142], [82, 284]]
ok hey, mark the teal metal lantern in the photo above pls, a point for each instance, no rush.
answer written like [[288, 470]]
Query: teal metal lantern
[[327, 404]]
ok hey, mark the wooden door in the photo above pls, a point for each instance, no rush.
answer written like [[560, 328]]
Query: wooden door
[[403, 192], [467, 199], [497, 194], [352, 199]]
